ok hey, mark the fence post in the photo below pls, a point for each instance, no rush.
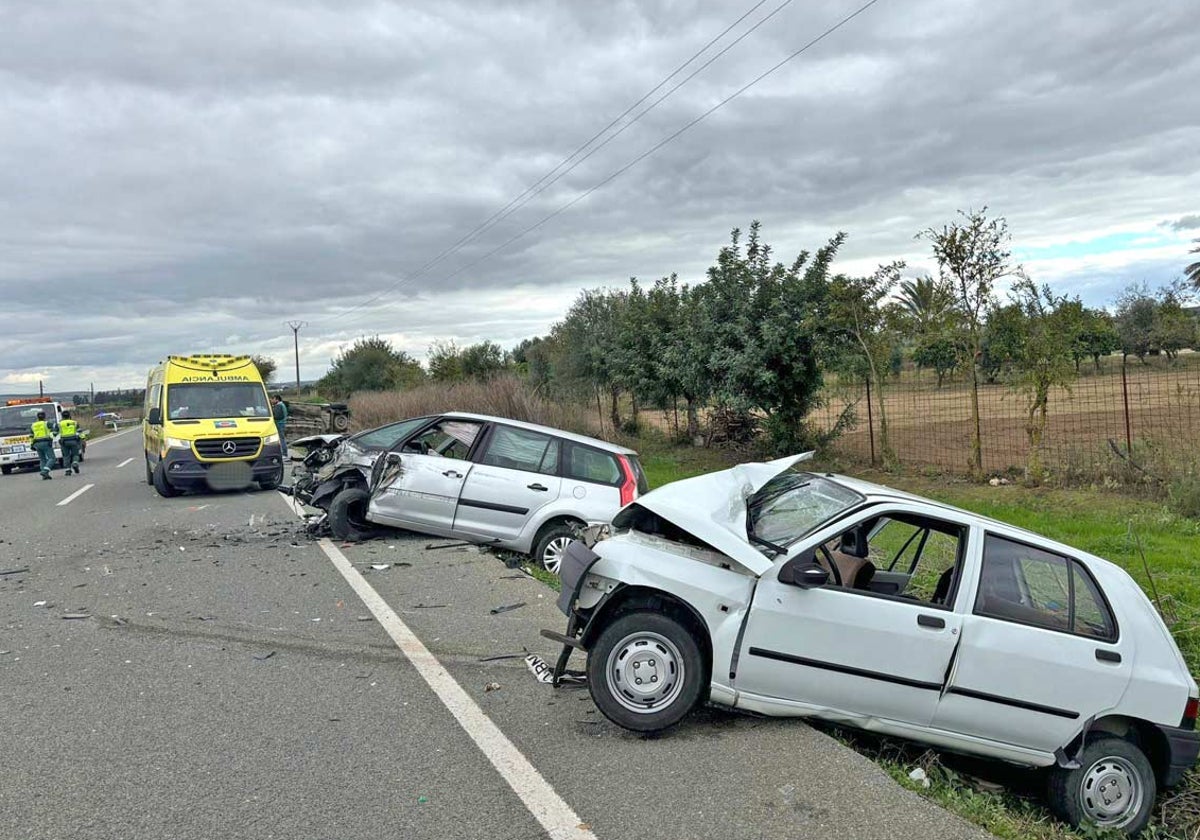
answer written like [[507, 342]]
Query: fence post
[[1125, 398], [870, 422]]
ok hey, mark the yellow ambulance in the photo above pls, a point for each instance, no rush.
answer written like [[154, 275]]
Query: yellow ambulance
[[208, 426]]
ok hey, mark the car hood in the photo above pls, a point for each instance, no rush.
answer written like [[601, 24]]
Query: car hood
[[712, 507], [318, 440]]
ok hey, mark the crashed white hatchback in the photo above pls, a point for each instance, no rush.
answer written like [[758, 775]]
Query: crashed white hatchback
[[790, 593]]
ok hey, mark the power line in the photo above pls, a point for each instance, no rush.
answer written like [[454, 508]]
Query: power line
[[550, 177], [666, 140]]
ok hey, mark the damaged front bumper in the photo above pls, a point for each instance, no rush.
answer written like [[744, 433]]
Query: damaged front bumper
[[577, 561]]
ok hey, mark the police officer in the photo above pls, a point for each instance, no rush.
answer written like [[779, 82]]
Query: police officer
[[68, 439], [42, 434], [279, 411]]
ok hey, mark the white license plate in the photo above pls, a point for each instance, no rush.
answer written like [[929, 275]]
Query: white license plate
[[12, 450]]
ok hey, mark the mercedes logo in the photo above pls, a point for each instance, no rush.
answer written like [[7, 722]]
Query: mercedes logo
[[229, 447]]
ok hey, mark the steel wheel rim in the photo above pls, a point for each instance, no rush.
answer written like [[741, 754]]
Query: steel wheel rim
[[1111, 793], [552, 557], [644, 672]]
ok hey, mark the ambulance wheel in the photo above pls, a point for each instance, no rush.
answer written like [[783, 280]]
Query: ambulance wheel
[[149, 473], [162, 485]]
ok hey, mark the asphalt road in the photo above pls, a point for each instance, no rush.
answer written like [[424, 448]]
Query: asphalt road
[[226, 680]]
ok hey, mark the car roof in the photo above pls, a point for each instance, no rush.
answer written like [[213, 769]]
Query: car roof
[[880, 492], [534, 427]]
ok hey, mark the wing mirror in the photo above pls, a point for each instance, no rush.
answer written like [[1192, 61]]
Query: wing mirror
[[392, 459], [154, 418], [803, 571]]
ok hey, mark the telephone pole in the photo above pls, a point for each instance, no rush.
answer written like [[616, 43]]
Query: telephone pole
[[295, 327]]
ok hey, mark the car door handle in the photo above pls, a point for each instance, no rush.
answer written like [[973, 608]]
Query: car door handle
[[1107, 655], [538, 487], [452, 474], [931, 621]]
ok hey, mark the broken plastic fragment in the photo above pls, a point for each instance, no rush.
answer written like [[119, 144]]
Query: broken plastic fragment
[[918, 775]]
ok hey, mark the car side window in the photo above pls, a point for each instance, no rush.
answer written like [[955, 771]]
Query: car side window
[[449, 439], [386, 437], [587, 464], [1040, 588], [519, 449], [897, 554]]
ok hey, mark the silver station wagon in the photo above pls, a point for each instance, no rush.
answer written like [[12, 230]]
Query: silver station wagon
[[799, 594]]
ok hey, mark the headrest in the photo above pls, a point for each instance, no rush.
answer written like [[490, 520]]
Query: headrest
[[854, 543]]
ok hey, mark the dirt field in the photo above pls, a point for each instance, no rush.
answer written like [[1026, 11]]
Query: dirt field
[[931, 426]]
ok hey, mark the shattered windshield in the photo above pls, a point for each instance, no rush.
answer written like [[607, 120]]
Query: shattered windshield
[[794, 504]]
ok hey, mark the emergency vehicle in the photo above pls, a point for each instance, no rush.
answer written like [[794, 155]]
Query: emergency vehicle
[[208, 425], [16, 416]]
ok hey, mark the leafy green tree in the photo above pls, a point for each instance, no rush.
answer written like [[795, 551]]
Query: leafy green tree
[[854, 310], [1135, 321], [972, 255], [587, 337], [1174, 328], [1092, 332], [266, 367], [1003, 337], [370, 364], [927, 303], [938, 351], [484, 360], [1042, 359], [443, 360], [761, 322]]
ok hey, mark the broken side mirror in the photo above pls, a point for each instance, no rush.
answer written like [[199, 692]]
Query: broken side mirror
[[154, 418], [803, 571]]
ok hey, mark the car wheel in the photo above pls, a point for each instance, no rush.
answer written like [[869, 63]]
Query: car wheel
[[645, 672], [161, 484], [6, 470], [552, 542], [1113, 787], [272, 483], [348, 515]]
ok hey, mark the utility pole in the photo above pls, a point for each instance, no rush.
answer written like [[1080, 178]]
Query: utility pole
[[295, 327]]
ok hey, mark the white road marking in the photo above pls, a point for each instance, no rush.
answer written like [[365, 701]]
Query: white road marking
[[114, 435], [123, 463], [76, 494], [547, 807]]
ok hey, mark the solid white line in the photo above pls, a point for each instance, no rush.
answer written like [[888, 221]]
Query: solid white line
[[547, 807], [76, 494], [123, 463], [114, 435]]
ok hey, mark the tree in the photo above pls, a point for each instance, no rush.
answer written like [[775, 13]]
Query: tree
[[370, 364], [266, 367], [854, 310], [1003, 338], [1092, 332], [1135, 321], [1042, 359], [972, 255], [927, 304], [940, 352], [1174, 328], [484, 360], [444, 361], [1192, 272]]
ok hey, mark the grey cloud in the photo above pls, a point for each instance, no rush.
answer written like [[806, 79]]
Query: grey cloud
[[1188, 222], [208, 171]]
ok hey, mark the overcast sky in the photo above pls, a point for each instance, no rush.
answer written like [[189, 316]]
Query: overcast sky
[[185, 176]]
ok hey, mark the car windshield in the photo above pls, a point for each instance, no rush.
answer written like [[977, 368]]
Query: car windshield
[[201, 401], [18, 418], [792, 505]]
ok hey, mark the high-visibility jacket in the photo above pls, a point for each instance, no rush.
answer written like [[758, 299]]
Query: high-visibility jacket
[[68, 429], [40, 430]]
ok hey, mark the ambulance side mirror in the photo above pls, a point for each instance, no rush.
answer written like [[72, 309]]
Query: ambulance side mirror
[[154, 418]]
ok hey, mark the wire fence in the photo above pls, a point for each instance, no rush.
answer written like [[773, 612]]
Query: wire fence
[[1115, 417]]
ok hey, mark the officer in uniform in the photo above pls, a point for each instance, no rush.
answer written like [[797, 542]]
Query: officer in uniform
[[68, 439], [42, 434]]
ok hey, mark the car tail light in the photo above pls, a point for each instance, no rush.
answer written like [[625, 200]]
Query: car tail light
[[629, 485], [1189, 713]]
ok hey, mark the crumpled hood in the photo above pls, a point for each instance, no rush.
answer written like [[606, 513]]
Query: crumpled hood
[[712, 507], [322, 440]]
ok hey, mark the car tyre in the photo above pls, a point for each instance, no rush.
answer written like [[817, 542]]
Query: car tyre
[[645, 672], [348, 515], [161, 484], [551, 543], [272, 483], [6, 470], [1113, 788]]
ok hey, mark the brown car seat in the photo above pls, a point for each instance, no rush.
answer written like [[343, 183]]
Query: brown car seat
[[854, 572]]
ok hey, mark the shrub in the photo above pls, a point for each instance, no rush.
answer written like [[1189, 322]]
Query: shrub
[[501, 396], [1184, 495]]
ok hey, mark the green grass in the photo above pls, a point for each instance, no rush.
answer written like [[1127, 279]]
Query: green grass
[[1100, 522]]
